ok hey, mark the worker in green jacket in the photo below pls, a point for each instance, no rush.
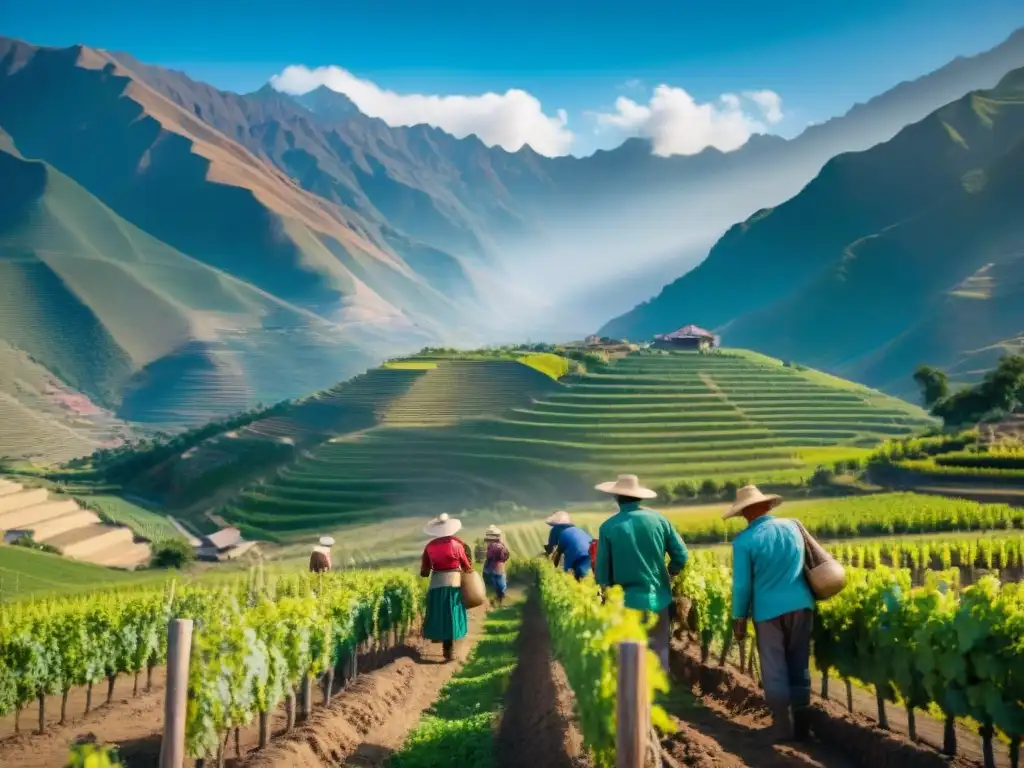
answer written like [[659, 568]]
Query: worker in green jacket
[[631, 554]]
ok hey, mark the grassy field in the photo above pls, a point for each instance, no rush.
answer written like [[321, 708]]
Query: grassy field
[[150, 525], [877, 520], [27, 573], [472, 433]]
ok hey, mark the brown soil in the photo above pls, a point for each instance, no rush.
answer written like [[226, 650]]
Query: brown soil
[[538, 724], [369, 721], [929, 730], [729, 727], [136, 724], [125, 720]]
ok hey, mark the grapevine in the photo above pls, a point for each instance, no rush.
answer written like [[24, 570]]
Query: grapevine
[[933, 644], [584, 635], [252, 646]]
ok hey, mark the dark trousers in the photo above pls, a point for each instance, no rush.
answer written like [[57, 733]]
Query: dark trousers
[[659, 638], [581, 568], [784, 645]]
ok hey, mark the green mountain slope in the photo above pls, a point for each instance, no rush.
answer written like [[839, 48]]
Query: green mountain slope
[[856, 272], [136, 325], [480, 206], [471, 434]]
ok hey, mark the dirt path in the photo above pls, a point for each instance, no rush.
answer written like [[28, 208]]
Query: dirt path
[[125, 721], [727, 723], [369, 721], [929, 730], [717, 728], [537, 726], [136, 724], [431, 677]]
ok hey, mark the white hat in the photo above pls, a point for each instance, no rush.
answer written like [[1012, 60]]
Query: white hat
[[326, 541], [627, 485], [442, 526], [561, 517], [492, 532], [749, 495]]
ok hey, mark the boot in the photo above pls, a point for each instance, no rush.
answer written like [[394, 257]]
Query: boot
[[802, 723], [782, 721], [448, 647]]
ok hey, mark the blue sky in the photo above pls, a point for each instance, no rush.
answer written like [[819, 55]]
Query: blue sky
[[819, 57]]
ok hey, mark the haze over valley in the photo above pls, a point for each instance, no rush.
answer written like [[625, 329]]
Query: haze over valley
[[175, 252]]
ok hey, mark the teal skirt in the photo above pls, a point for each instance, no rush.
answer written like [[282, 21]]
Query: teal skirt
[[446, 615]]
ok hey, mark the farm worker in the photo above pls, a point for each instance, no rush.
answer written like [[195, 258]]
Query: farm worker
[[631, 554], [572, 544], [495, 562], [320, 557], [444, 560], [768, 576]]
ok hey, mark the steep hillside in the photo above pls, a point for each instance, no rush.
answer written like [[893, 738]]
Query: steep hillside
[[136, 325], [274, 244], [482, 212], [170, 173], [861, 271], [677, 420]]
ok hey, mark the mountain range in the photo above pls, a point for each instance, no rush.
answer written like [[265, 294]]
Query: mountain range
[[909, 252], [175, 252]]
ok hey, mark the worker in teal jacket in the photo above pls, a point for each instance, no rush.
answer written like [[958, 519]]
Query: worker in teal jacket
[[768, 586], [631, 554]]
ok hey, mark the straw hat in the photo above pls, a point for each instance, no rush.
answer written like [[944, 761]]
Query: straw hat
[[326, 541], [627, 485], [749, 495], [442, 526], [493, 533], [561, 517]]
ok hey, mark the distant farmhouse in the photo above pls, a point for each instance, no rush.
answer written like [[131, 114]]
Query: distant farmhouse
[[225, 544], [689, 337]]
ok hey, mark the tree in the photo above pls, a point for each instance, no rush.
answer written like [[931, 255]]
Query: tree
[[1005, 383], [933, 382], [172, 553]]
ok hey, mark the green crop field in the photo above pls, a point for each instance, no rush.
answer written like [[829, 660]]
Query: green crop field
[[151, 525], [468, 434], [26, 573]]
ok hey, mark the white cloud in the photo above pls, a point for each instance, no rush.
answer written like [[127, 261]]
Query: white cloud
[[679, 125], [508, 120], [769, 102]]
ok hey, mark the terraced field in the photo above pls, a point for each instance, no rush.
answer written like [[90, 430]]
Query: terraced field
[[75, 532], [411, 394], [458, 439]]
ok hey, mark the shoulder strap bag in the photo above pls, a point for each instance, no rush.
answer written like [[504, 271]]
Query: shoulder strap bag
[[825, 575]]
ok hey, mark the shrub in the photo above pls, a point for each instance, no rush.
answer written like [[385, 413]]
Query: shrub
[[709, 488], [686, 489], [30, 543], [172, 553], [822, 476]]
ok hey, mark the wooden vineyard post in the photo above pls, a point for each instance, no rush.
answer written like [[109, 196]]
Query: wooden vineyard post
[[179, 646], [632, 716]]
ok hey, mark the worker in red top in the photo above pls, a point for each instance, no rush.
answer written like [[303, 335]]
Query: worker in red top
[[444, 560]]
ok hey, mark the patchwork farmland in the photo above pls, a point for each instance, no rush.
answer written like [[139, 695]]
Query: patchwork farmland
[[471, 433]]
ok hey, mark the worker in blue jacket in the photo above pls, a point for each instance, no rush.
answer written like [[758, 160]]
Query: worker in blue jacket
[[570, 544], [769, 586]]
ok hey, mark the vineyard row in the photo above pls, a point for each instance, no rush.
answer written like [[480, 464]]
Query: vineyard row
[[254, 644], [933, 646]]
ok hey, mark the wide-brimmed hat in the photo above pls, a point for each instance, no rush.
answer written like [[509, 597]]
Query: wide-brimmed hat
[[442, 526], [627, 485], [561, 517], [749, 495], [326, 541], [492, 532]]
